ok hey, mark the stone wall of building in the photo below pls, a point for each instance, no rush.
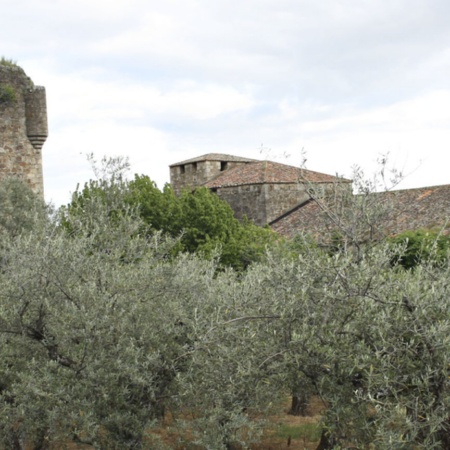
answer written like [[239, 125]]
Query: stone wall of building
[[263, 203], [197, 173], [189, 175], [246, 200], [23, 126], [263, 191], [281, 198]]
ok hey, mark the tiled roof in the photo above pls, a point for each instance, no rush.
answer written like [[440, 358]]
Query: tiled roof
[[427, 207], [307, 217], [269, 172], [407, 209], [214, 157]]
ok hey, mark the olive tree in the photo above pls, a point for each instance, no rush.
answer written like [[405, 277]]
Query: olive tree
[[21, 209], [366, 335], [90, 329], [103, 329]]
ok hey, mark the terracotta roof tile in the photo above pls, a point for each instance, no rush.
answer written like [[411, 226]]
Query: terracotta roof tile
[[407, 209], [269, 172], [427, 207]]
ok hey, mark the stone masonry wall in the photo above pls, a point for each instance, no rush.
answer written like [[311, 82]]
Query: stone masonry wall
[[23, 127], [256, 194], [246, 200], [263, 203], [280, 198], [197, 173]]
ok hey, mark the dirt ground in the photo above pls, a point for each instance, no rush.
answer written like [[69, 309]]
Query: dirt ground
[[284, 431], [272, 439]]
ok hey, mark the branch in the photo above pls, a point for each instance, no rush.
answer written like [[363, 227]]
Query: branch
[[241, 319]]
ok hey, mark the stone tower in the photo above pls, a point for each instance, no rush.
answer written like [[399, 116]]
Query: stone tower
[[197, 171], [23, 126]]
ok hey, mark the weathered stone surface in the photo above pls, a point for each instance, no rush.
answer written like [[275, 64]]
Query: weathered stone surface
[[23, 127], [198, 171]]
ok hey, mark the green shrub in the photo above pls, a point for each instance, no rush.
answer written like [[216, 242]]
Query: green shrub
[[7, 62], [7, 94], [421, 246]]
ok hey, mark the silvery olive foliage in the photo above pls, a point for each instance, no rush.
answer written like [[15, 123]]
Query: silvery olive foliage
[[88, 352], [104, 332], [21, 210], [370, 340], [366, 335]]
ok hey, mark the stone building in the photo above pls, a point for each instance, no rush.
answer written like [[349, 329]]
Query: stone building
[[264, 191], [289, 199], [23, 126]]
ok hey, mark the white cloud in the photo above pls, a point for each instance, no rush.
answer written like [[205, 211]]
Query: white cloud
[[414, 132], [65, 155], [86, 115], [164, 81]]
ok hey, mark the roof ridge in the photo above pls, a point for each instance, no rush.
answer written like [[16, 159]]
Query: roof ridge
[[265, 171], [215, 157], [436, 186]]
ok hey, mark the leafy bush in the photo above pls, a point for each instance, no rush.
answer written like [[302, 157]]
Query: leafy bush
[[7, 62], [7, 94], [200, 220], [419, 246]]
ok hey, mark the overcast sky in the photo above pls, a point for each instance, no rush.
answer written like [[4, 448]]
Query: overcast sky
[[163, 81]]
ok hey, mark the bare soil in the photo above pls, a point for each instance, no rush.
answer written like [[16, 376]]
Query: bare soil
[[276, 436]]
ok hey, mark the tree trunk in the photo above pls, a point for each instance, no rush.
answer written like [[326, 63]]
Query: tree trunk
[[16, 443], [299, 405], [41, 442], [327, 441]]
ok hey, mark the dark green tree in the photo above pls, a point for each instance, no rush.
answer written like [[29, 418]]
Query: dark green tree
[[205, 223], [416, 246], [200, 220]]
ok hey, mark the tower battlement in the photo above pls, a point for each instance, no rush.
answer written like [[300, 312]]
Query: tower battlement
[[23, 126]]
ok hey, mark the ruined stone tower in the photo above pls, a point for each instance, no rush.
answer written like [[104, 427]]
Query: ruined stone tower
[[23, 126]]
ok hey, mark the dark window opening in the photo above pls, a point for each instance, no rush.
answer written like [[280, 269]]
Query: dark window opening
[[214, 190], [194, 166], [182, 170], [223, 165]]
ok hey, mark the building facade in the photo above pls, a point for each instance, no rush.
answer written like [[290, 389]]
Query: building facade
[[263, 191]]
